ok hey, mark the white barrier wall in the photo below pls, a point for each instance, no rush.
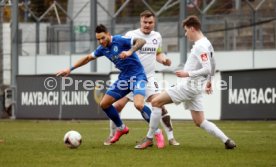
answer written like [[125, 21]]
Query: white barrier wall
[[235, 60], [232, 60]]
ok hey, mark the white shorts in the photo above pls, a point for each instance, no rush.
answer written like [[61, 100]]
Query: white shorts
[[152, 89], [192, 99]]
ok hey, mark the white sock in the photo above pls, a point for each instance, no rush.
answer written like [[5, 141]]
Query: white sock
[[212, 129], [157, 131], [112, 128], [168, 131], [122, 127], [154, 121]]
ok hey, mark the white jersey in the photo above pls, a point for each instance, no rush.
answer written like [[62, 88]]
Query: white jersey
[[201, 63], [147, 54]]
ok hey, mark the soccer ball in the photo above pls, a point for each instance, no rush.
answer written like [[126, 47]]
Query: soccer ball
[[72, 139]]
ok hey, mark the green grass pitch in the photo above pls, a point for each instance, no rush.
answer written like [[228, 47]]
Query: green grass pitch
[[31, 143]]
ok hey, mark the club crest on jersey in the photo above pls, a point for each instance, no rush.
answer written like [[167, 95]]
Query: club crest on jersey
[[115, 48], [154, 41], [204, 57]]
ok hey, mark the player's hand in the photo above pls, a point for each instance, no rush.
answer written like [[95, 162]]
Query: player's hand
[[64, 72], [208, 88], [125, 54], [182, 74], [167, 62]]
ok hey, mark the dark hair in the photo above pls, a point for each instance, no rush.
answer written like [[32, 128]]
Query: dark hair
[[147, 13], [101, 28], [192, 21]]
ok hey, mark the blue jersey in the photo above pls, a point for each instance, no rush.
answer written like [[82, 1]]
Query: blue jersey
[[131, 66]]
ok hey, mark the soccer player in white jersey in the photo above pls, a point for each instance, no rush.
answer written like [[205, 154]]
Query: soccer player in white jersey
[[148, 55], [199, 68]]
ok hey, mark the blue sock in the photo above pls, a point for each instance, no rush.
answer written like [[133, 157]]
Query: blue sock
[[112, 113], [146, 112]]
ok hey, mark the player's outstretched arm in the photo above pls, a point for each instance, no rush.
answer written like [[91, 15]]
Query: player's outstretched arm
[[161, 58], [137, 44], [64, 72], [82, 61], [182, 73]]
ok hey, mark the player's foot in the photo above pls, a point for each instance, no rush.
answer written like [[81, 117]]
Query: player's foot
[[173, 142], [118, 134], [160, 142], [145, 143], [230, 144], [107, 142]]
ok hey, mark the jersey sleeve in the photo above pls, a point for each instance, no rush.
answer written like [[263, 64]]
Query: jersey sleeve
[[213, 66], [126, 40], [129, 34], [97, 53], [159, 38], [203, 56]]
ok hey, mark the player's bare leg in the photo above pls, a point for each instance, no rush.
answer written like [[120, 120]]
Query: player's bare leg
[[139, 103], [212, 129], [161, 99]]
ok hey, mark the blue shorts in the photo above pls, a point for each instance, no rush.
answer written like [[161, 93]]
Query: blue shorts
[[121, 88]]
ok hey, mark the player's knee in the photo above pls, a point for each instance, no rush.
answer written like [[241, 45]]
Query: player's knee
[[104, 105], [118, 107], [197, 123], [139, 106], [155, 103]]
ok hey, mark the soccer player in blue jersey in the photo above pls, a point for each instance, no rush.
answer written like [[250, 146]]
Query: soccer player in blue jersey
[[121, 51]]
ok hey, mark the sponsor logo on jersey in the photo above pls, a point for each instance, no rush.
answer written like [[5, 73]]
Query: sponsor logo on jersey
[[154, 41], [204, 57], [149, 49]]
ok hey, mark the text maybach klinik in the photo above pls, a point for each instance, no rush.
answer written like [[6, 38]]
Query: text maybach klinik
[[52, 98]]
